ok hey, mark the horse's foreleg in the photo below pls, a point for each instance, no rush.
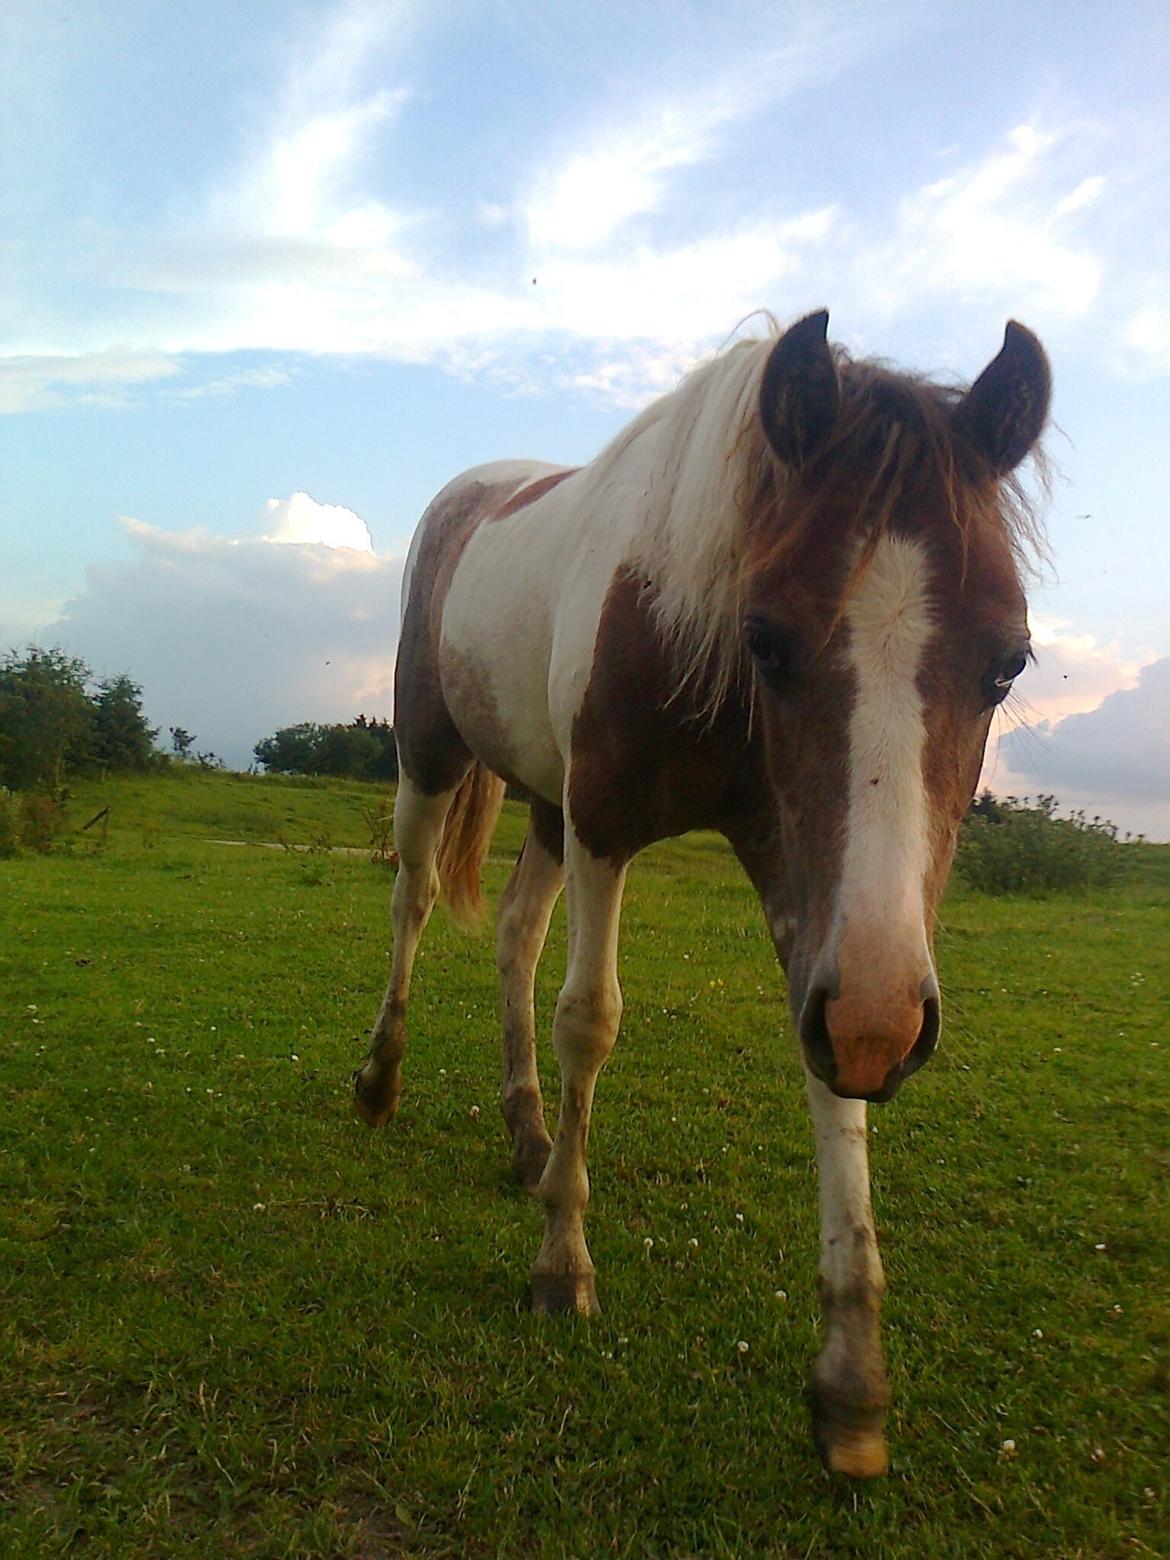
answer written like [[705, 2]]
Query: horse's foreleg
[[850, 1394], [584, 1030], [418, 827], [526, 907]]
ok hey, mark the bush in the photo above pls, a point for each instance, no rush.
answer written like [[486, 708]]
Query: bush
[[41, 819], [9, 834], [1020, 846]]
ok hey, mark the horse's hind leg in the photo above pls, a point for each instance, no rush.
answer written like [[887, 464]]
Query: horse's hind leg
[[525, 910], [418, 828]]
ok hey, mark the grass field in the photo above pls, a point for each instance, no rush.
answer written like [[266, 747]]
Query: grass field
[[234, 1322]]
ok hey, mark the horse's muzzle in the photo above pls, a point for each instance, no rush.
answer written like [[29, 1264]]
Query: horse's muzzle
[[858, 1066]]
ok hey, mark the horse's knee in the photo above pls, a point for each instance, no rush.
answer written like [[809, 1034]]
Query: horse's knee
[[586, 1024]]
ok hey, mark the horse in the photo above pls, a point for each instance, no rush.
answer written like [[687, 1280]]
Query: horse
[[784, 604]]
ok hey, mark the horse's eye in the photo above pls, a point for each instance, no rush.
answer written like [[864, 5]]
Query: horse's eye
[[771, 648], [997, 681]]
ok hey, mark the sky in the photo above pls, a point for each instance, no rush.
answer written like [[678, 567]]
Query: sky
[[272, 273]]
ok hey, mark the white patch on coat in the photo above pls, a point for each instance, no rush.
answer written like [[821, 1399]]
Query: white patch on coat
[[890, 622]]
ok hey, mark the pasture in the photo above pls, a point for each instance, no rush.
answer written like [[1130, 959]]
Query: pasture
[[235, 1322]]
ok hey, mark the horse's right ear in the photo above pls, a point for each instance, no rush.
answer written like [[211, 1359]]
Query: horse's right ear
[[800, 393]]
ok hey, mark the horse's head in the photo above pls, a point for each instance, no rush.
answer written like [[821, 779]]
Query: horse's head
[[885, 619]]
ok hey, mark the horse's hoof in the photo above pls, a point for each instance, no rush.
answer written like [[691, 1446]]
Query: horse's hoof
[[375, 1104], [850, 1439], [858, 1456], [560, 1294]]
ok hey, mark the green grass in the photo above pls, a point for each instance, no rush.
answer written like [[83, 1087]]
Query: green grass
[[234, 1322]]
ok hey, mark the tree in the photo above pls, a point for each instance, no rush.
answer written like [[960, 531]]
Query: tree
[[290, 751], [46, 718], [346, 750], [121, 738], [361, 750], [182, 742], [386, 763], [986, 806]]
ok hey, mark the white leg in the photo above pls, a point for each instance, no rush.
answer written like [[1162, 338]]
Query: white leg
[[418, 827], [526, 907], [850, 1394], [586, 1025]]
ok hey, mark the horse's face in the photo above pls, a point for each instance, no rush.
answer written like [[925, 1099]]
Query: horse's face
[[879, 665]]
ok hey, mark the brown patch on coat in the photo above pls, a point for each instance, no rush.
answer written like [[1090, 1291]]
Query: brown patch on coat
[[985, 624], [548, 825], [642, 766], [430, 748], [533, 491], [467, 692]]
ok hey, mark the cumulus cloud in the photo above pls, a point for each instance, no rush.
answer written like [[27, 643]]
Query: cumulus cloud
[[1120, 749], [1071, 674], [1089, 725], [301, 519], [234, 637]]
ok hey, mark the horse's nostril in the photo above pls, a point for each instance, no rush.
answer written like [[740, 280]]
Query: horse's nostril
[[814, 1035], [923, 1048]]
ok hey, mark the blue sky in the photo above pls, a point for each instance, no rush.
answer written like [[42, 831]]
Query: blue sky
[[270, 274]]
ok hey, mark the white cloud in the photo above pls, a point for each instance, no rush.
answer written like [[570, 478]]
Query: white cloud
[[231, 384], [996, 229], [235, 637], [1072, 673], [297, 185], [649, 232], [581, 203], [1086, 192], [41, 382], [301, 519], [688, 295], [1147, 334]]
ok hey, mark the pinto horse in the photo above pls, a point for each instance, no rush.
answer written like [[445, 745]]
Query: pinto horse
[[782, 604]]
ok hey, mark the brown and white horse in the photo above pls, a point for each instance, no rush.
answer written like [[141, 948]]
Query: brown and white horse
[[782, 604]]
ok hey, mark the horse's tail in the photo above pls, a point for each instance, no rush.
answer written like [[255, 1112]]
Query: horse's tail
[[467, 832]]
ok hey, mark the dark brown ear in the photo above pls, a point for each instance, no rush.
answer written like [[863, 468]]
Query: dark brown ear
[[1006, 408], [799, 393]]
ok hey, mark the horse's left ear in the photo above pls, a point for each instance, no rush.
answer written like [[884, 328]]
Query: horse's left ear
[[800, 392], [1004, 412]]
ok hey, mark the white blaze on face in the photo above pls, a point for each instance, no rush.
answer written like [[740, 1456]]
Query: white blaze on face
[[890, 622]]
